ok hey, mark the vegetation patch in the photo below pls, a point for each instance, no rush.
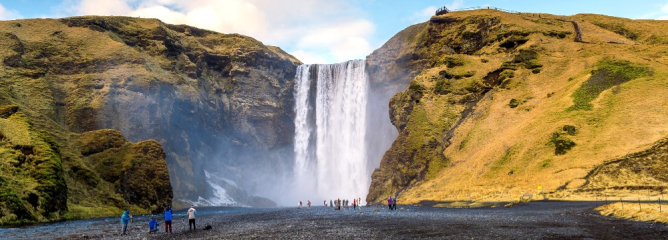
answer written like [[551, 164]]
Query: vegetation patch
[[570, 129], [513, 42], [608, 73], [618, 29], [442, 87], [505, 159], [99, 140], [557, 34], [526, 58], [562, 144]]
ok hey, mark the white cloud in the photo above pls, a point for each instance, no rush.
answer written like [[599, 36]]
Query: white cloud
[[426, 13], [422, 15], [664, 13], [351, 48], [309, 57], [456, 4], [304, 28], [8, 14], [660, 14]]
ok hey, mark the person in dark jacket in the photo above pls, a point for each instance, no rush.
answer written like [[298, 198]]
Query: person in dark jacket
[[168, 219], [125, 219], [394, 203]]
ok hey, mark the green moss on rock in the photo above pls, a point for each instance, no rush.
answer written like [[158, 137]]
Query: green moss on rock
[[32, 173], [100, 140]]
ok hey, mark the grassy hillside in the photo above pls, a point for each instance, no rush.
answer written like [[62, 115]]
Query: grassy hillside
[[506, 104]]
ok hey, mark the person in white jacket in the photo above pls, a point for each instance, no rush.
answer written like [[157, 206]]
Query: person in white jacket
[[191, 218]]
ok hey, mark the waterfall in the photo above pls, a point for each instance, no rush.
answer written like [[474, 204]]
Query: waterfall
[[330, 129]]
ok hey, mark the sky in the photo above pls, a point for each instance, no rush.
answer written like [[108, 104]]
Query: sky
[[314, 31]]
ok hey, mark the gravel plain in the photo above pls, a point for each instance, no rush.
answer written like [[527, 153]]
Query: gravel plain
[[535, 220]]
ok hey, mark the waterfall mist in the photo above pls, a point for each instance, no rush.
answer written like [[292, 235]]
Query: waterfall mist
[[341, 132]]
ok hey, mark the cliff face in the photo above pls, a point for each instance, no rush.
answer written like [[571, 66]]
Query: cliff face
[[501, 104], [204, 96]]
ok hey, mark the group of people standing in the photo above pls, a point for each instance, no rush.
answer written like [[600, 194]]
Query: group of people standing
[[345, 203], [126, 218], [336, 204], [308, 204]]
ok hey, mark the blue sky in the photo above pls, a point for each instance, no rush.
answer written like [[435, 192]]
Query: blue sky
[[315, 31]]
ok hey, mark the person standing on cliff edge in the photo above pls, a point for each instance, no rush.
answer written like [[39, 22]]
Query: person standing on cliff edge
[[389, 203], [191, 218]]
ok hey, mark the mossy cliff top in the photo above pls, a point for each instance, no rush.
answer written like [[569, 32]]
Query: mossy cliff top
[[502, 104]]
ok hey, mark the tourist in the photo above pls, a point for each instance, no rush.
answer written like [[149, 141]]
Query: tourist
[[338, 204], [394, 203], [168, 219], [389, 203], [125, 219], [300, 204], [308, 204], [191, 218], [324, 202], [331, 203], [152, 226], [354, 204]]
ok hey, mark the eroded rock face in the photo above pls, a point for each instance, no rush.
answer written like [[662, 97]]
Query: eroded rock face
[[217, 101]]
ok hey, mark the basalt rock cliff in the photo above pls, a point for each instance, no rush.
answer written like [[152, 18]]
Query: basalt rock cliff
[[198, 94], [496, 105]]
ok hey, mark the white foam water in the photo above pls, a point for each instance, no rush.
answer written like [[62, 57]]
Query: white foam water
[[330, 128]]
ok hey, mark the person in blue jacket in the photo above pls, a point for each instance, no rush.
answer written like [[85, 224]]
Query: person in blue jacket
[[152, 226], [168, 219], [125, 219]]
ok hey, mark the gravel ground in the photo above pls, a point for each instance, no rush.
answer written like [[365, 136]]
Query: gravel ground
[[536, 220]]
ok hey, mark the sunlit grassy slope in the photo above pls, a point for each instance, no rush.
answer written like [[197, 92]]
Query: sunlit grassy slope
[[613, 89]]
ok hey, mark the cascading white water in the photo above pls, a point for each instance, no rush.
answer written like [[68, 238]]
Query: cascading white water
[[330, 128]]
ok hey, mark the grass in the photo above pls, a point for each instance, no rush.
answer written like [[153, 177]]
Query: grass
[[608, 73], [644, 212], [479, 159]]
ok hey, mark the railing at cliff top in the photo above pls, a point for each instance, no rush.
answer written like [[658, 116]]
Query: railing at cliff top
[[445, 10]]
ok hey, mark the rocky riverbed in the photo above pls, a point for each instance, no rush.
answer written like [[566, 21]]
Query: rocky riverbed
[[536, 220]]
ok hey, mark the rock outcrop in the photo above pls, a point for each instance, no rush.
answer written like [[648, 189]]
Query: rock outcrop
[[217, 101]]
